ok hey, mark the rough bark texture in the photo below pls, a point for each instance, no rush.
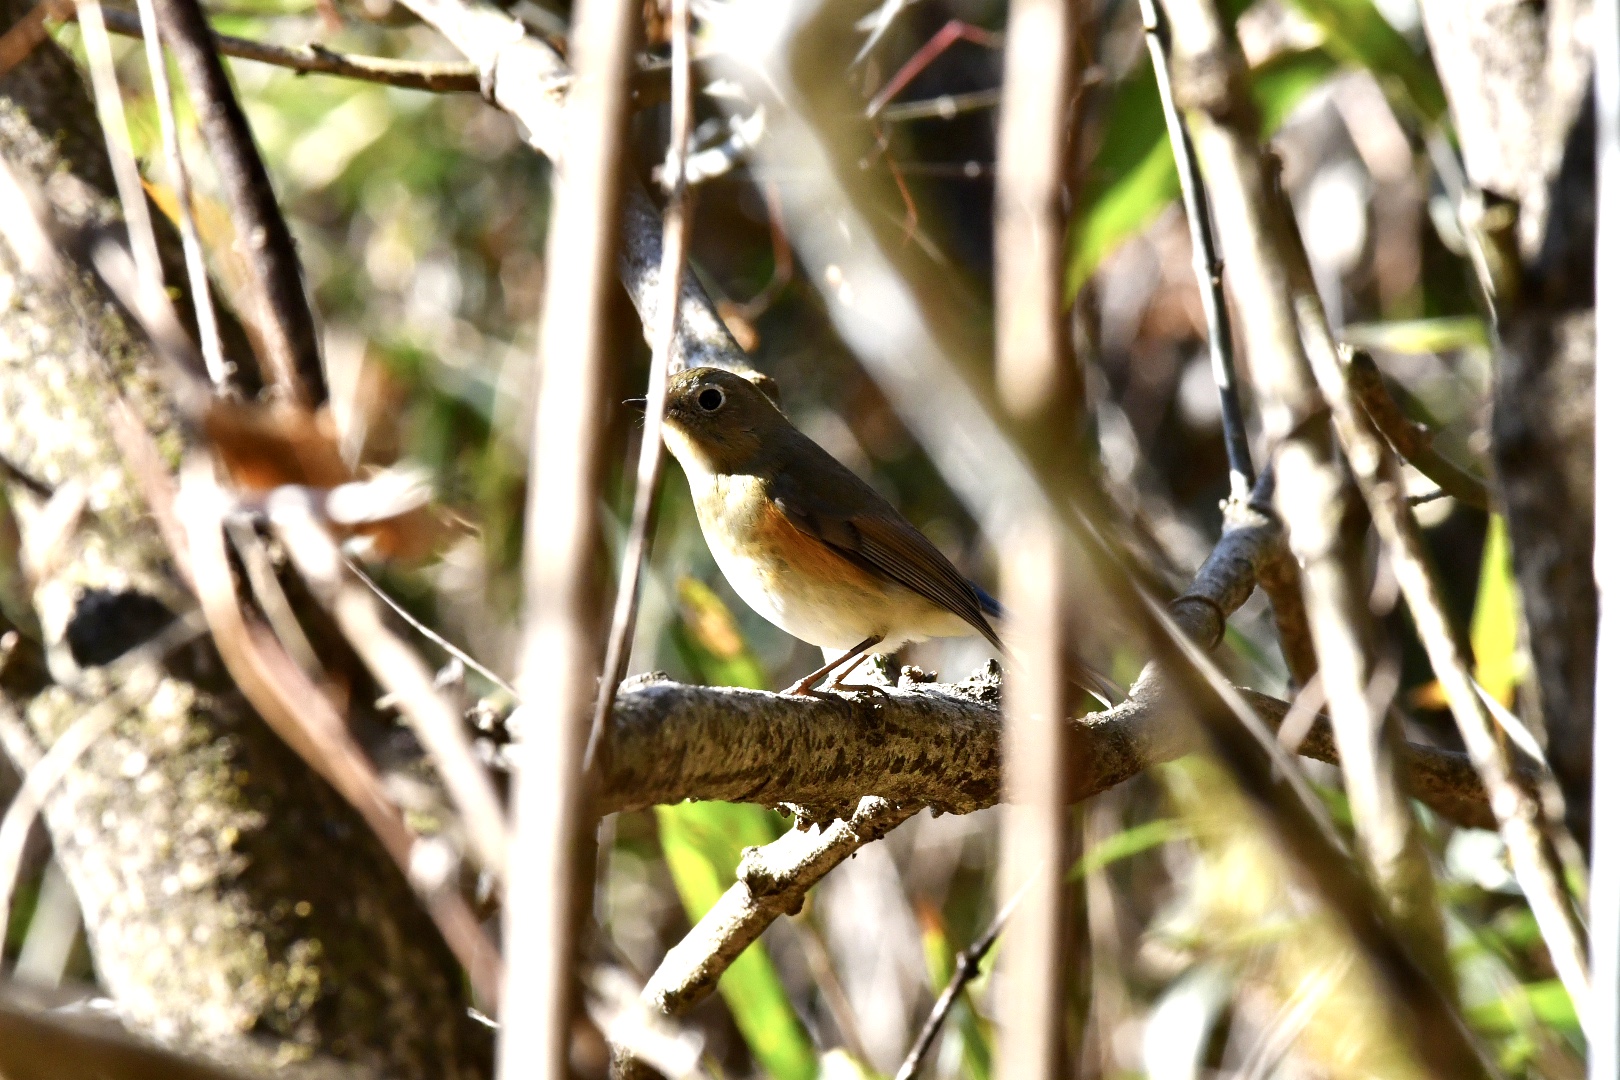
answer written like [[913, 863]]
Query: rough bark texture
[[1517, 74], [190, 833]]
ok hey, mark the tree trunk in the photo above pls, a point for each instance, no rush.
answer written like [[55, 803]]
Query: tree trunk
[[1518, 74], [234, 904]]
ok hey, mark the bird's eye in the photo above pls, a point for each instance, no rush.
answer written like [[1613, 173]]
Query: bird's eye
[[711, 399]]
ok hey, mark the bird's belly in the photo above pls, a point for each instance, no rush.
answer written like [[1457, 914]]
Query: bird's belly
[[801, 585]]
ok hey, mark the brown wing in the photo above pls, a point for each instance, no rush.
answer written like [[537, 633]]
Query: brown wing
[[881, 542]]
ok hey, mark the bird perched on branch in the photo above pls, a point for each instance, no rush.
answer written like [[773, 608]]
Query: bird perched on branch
[[804, 541]]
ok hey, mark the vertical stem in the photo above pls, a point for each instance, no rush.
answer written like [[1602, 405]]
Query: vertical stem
[[1034, 823], [202, 299], [562, 540], [666, 359], [285, 323], [1206, 264], [1603, 1016], [126, 173], [1377, 472], [1037, 381], [1311, 487]]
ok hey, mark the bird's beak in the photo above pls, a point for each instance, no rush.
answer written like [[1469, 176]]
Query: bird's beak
[[637, 403]]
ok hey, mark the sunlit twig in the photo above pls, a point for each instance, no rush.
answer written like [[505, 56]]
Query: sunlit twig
[[665, 361]]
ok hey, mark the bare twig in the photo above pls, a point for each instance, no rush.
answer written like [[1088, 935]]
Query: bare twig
[[135, 677], [665, 361], [1206, 264], [562, 536], [436, 76], [428, 632], [1514, 804], [1603, 1021], [1409, 440], [944, 107], [202, 298], [1035, 379], [26, 34], [126, 173], [967, 969], [1311, 489], [771, 881], [298, 711], [397, 669], [284, 320]]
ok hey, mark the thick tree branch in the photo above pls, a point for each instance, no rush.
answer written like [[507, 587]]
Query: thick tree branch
[[918, 745]]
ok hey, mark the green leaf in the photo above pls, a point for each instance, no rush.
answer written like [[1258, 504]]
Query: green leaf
[[1124, 844], [1548, 1002], [1133, 176], [1356, 32], [702, 844], [1417, 336], [1494, 634]]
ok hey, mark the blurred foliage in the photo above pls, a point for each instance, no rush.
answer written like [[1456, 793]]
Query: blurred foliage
[[1133, 176]]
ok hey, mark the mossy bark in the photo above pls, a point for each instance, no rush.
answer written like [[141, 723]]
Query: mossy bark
[[235, 906]]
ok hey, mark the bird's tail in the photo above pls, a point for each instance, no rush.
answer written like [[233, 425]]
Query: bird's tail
[[1092, 681]]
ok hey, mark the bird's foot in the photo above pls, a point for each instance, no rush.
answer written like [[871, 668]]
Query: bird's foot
[[806, 687]]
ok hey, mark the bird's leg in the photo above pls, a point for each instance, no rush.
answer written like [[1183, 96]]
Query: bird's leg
[[806, 685], [837, 681]]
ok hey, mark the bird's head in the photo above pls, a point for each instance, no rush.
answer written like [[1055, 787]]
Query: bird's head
[[718, 421]]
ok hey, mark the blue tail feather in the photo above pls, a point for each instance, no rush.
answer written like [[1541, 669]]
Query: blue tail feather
[[992, 607]]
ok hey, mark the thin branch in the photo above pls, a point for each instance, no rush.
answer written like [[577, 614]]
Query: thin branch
[[967, 969], [547, 892], [436, 722], [771, 881], [1312, 491], [1036, 382], [428, 632], [1207, 266], [1603, 1028], [436, 76], [1409, 440], [126, 173], [202, 297], [1514, 803], [284, 320], [943, 107], [299, 712], [28, 33], [664, 362]]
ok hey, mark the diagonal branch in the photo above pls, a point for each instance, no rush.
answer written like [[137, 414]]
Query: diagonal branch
[[285, 322], [526, 77]]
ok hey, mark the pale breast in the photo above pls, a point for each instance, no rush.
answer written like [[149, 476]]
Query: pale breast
[[800, 584]]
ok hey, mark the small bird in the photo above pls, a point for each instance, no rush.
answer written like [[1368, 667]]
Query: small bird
[[804, 541]]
